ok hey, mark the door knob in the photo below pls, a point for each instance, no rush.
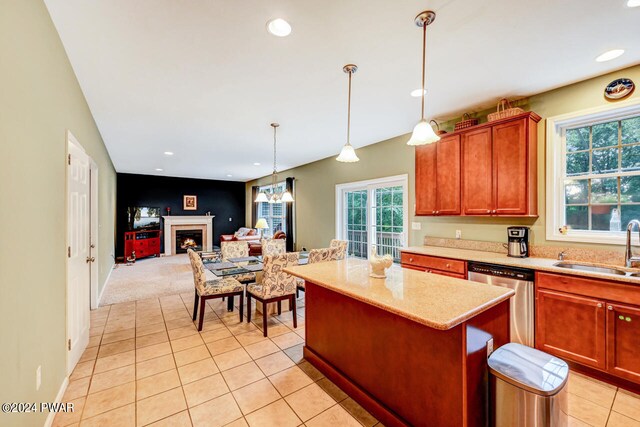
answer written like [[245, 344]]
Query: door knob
[[92, 246], [90, 259], [599, 305], [609, 307]]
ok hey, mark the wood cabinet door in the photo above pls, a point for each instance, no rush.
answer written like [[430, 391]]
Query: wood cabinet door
[[571, 327], [477, 191], [448, 176], [623, 341], [510, 168], [426, 179]]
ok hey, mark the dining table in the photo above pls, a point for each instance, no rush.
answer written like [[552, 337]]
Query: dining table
[[239, 268]]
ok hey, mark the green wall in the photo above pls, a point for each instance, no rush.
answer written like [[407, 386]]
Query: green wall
[[40, 99], [315, 191]]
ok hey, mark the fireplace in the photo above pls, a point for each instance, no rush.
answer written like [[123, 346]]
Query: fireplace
[[174, 224], [186, 239]]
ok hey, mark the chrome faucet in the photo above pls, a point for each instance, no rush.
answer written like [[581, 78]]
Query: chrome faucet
[[629, 259], [561, 256]]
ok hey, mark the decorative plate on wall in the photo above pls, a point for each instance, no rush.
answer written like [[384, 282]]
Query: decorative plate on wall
[[618, 89]]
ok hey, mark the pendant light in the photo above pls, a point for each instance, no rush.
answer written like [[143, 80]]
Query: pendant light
[[348, 154], [275, 196], [423, 132]]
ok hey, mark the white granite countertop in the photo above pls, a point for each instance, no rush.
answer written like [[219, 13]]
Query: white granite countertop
[[436, 301], [540, 264]]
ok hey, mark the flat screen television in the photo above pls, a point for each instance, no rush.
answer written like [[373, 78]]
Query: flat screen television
[[143, 218]]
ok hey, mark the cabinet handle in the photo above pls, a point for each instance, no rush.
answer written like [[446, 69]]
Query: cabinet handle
[[609, 307], [488, 210], [433, 212], [599, 305], [437, 212], [448, 265], [410, 259], [494, 211]]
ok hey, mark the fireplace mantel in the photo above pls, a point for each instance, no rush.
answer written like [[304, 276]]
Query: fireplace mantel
[[173, 221]]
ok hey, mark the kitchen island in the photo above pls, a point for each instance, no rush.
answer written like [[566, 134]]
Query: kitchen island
[[411, 348]]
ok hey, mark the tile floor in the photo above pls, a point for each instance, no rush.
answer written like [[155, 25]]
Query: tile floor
[[146, 364]]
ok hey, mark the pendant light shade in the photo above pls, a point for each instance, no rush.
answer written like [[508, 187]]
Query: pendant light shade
[[348, 153], [262, 197], [423, 132], [286, 197]]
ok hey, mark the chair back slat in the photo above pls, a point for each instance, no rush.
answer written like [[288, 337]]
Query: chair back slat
[[274, 247], [234, 249], [341, 245], [199, 276], [275, 282]]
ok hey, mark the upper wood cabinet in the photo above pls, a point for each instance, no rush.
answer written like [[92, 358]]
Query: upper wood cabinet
[[489, 169], [477, 172], [438, 177]]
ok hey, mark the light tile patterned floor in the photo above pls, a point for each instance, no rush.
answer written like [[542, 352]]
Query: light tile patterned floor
[[146, 364]]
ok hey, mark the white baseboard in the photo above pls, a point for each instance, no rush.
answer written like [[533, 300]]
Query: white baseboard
[[63, 387], [104, 285]]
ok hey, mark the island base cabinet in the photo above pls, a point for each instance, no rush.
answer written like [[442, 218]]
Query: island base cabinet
[[623, 341], [401, 371], [571, 327]]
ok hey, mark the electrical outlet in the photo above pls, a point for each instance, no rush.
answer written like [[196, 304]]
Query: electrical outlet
[[458, 234], [38, 378], [416, 226], [489, 347]]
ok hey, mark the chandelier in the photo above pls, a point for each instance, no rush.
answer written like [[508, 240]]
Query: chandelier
[[274, 196]]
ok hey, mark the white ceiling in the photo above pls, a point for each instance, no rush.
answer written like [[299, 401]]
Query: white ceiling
[[204, 79]]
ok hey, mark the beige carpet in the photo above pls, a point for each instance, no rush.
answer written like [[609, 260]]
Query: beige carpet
[[149, 278]]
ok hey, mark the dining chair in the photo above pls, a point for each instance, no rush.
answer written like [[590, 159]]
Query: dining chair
[[274, 246], [234, 249], [237, 249], [341, 245], [208, 289], [276, 286], [317, 255]]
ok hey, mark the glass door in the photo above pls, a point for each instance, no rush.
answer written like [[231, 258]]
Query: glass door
[[373, 213], [355, 219], [387, 228]]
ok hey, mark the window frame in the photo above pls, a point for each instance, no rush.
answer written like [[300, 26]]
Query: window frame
[[556, 170], [280, 186]]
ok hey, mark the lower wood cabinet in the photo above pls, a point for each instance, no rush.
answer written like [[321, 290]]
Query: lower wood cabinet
[[582, 320], [623, 341], [436, 265], [571, 326]]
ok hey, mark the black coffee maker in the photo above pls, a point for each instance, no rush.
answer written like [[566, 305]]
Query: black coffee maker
[[518, 245]]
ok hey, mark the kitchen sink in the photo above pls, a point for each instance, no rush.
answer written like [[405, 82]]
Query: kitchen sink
[[593, 268]]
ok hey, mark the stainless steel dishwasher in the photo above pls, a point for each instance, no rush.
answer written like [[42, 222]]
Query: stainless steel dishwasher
[[522, 303]]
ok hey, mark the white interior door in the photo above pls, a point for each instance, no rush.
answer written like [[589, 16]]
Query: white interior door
[[78, 251]]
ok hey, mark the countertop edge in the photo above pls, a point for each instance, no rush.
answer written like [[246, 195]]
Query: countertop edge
[[502, 259], [434, 325]]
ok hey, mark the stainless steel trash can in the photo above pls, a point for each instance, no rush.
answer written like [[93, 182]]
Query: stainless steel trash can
[[527, 387]]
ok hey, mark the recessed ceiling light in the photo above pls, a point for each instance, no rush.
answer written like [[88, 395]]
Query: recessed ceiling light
[[229, 175], [609, 55], [159, 169], [417, 93], [279, 27], [256, 164], [633, 3], [168, 153]]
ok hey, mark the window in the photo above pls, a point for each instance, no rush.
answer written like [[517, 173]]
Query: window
[[373, 212], [593, 164], [274, 213]]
